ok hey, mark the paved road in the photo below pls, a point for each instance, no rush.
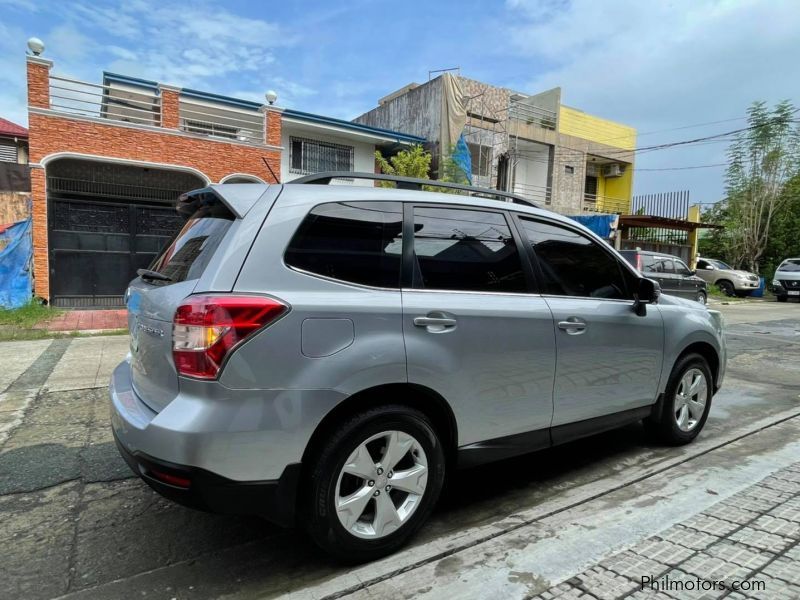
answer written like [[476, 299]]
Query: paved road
[[74, 523]]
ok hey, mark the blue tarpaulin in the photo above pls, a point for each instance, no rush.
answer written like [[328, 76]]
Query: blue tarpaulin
[[462, 157], [599, 224], [15, 261]]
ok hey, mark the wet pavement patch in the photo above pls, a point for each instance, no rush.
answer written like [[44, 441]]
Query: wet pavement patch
[[35, 375]]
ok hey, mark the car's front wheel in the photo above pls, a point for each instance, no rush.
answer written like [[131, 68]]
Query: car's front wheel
[[374, 483], [686, 403], [781, 298], [726, 287], [701, 297]]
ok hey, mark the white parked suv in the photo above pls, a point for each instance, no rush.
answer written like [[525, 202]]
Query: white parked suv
[[786, 283]]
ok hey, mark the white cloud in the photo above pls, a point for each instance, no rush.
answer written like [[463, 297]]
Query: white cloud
[[657, 65]]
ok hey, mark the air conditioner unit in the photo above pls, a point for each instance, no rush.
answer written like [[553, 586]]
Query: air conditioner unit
[[591, 170], [613, 170]]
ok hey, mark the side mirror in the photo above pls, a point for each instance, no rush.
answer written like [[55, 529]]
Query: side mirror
[[648, 292], [709, 268]]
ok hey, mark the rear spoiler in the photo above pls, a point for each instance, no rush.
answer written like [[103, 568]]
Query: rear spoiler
[[238, 197]]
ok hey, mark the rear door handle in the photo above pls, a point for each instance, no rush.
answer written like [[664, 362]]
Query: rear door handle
[[436, 322], [573, 326]]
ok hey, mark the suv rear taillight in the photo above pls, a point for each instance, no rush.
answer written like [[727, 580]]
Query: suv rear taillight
[[207, 328], [639, 263]]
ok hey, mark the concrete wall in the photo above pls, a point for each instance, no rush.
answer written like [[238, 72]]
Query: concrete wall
[[417, 112]]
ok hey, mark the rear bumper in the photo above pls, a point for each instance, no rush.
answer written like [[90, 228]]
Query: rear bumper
[[240, 449], [273, 500]]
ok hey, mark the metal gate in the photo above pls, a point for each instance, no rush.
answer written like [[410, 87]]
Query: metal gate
[[97, 246]]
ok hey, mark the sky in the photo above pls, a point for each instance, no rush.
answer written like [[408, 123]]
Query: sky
[[674, 70]]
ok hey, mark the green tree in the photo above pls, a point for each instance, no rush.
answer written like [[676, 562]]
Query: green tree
[[416, 162], [762, 160], [412, 162]]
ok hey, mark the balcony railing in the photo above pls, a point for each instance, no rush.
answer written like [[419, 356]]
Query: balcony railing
[[85, 99], [606, 204], [538, 193], [222, 123], [143, 107], [532, 115]]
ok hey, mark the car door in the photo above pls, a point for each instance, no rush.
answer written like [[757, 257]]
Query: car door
[[608, 358], [475, 330], [664, 268], [688, 283]]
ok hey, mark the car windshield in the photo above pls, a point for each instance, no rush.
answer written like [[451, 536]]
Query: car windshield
[[721, 265], [791, 265]]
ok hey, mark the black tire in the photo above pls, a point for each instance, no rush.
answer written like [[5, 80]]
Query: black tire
[[664, 425], [781, 298], [322, 521], [726, 287], [701, 297]]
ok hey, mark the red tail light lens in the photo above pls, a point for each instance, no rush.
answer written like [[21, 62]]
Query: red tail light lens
[[207, 328], [176, 480], [639, 262]]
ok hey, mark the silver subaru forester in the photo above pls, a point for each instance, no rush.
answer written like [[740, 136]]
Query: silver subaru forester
[[325, 354]]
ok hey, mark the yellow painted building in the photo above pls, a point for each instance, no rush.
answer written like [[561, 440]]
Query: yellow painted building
[[609, 158]]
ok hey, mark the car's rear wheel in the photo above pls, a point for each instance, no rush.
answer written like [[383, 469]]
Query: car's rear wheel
[[726, 287], [374, 483], [701, 297], [687, 401]]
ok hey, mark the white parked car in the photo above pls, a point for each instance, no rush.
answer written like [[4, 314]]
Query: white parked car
[[786, 283]]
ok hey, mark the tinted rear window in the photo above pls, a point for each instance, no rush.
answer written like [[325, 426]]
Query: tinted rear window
[[356, 242], [188, 254]]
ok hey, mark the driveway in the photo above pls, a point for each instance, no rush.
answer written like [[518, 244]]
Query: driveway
[[75, 523]]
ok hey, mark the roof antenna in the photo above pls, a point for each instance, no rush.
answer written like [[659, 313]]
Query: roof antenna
[[275, 177]]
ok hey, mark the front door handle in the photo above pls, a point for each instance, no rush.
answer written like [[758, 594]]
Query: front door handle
[[573, 326], [436, 322]]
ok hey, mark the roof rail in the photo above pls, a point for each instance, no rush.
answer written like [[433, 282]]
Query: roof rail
[[412, 183]]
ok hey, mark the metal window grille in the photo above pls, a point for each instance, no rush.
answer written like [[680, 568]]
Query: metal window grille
[[311, 156]]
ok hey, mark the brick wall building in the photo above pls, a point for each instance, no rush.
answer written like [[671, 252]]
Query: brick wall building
[[108, 161]]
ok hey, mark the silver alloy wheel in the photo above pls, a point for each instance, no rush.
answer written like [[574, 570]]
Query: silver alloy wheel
[[701, 297], [381, 484], [690, 399]]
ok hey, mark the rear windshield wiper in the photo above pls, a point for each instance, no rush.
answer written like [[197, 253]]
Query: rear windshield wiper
[[148, 274]]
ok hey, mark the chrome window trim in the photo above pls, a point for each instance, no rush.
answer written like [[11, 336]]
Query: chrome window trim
[[427, 291], [340, 281]]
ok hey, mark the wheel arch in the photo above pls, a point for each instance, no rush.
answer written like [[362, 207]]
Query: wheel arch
[[419, 397], [708, 352]]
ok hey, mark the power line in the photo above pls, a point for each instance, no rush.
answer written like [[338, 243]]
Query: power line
[[686, 168]]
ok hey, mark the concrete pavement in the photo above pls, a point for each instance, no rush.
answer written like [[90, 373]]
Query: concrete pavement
[[561, 523]]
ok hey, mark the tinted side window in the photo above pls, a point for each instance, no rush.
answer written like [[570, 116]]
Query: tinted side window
[[465, 250], [574, 265], [681, 268], [701, 264], [357, 242]]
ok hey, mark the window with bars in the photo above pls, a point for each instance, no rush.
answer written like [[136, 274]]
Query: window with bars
[[8, 151], [312, 156]]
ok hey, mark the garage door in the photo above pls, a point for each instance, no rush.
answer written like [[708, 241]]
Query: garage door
[[96, 247]]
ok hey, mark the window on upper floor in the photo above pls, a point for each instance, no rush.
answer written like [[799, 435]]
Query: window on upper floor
[[481, 158], [308, 156]]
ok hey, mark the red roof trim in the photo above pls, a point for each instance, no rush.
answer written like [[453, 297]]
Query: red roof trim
[[12, 129]]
